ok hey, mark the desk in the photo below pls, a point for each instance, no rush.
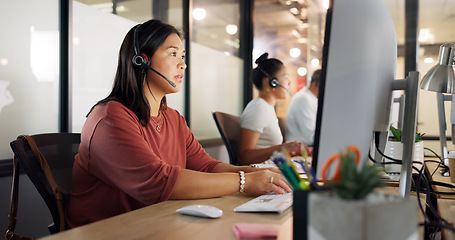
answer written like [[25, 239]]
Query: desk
[[438, 177], [160, 221], [445, 203]]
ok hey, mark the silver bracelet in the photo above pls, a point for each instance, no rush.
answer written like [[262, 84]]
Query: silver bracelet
[[242, 181]]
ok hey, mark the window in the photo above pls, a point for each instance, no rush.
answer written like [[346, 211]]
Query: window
[[29, 70]]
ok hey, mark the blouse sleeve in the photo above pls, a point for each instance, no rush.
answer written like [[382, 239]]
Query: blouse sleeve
[[254, 118], [197, 158]]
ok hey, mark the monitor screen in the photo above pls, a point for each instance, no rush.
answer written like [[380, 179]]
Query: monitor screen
[[358, 67]]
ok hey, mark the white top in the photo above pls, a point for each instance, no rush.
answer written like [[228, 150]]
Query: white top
[[259, 116], [301, 117]]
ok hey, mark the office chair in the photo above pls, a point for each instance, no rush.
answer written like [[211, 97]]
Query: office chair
[[59, 150], [229, 128]]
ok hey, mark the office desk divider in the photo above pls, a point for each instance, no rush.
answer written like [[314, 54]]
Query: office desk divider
[[322, 215]]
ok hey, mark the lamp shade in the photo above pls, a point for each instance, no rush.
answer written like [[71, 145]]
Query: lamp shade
[[441, 78]]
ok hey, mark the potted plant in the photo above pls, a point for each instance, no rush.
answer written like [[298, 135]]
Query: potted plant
[[351, 209], [394, 149]]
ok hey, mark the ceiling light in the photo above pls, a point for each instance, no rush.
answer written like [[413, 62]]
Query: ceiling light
[[315, 62], [231, 29], [302, 40], [294, 52], [294, 11], [428, 60], [302, 71], [199, 14], [296, 33]]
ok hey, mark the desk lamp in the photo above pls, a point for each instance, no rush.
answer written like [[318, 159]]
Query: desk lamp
[[440, 79]]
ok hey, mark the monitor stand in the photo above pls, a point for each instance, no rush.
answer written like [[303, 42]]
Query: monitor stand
[[411, 86]]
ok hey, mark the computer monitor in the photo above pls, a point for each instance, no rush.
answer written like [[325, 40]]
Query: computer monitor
[[358, 68]]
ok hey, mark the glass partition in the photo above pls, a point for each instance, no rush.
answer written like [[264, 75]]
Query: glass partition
[[291, 31], [216, 69], [29, 70]]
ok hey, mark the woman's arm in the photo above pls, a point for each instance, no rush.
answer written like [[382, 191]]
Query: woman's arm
[[224, 167], [248, 153], [193, 184]]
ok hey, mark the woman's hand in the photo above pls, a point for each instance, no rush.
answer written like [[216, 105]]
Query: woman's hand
[[254, 168], [260, 182], [295, 148]]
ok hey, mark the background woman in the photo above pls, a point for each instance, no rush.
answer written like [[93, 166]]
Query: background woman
[[260, 133], [136, 151]]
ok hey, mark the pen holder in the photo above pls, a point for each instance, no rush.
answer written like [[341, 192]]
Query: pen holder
[[300, 211], [323, 215]]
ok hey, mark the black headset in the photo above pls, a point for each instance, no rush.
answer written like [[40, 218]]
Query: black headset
[[273, 82], [140, 59]]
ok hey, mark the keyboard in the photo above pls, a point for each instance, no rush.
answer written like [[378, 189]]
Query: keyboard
[[269, 202]]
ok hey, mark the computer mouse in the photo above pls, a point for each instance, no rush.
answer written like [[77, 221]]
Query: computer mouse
[[201, 211]]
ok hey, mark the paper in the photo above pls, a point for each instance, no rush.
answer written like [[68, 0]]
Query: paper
[[254, 230]]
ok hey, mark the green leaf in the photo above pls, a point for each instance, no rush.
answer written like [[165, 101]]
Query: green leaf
[[355, 183], [396, 133], [348, 168], [419, 136]]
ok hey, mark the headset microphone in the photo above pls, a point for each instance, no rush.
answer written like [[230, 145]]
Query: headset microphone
[[141, 60], [161, 75], [287, 90]]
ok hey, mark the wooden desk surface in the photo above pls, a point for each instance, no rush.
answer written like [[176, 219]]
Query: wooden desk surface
[[438, 177], [160, 221]]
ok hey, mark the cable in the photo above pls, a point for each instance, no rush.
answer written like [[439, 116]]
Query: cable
[[422, 179], [444, 223], [441, 161]]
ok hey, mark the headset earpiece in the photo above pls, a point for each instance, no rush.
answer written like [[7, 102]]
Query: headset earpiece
[[273, 82], [140, 60]]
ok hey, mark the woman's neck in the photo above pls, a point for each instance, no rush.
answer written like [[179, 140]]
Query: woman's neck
[[268, 97], [154, 100]]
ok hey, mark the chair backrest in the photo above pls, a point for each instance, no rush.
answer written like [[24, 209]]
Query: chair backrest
[[59, 150], [229, 127]]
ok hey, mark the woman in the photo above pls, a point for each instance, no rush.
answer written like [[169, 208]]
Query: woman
[[135, 151], [260, 133]]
